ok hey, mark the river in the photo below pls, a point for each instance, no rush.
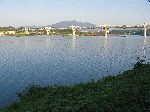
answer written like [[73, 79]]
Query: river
[[25, 61]]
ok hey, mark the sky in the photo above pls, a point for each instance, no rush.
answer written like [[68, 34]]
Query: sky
[[47, 12]]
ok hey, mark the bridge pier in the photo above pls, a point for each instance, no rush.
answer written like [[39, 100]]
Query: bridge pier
[[145, 30], [106, 31], [47, 32], [73, 30]]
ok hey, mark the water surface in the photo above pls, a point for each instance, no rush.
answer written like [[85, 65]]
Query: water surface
[[64, 60]]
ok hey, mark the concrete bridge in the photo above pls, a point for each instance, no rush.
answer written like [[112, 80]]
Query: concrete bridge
[[106, 28], [144, 27]]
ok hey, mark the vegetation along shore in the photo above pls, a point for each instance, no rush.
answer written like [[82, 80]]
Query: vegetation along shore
[[126, 92]]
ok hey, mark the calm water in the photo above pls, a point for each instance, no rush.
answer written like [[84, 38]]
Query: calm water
[[62, 60]]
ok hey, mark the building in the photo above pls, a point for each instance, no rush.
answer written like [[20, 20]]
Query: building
[[10, 32], [2, 33], [27, 31], [47, 28]]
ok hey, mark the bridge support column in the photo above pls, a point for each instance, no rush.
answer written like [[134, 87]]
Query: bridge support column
[[106, 31], [47, 32], [145, 30], [73, 30]]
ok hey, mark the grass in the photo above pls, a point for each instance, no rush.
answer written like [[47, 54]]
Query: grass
[[126, 92]]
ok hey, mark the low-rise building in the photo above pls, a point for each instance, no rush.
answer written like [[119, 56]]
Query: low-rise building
[[2, 33], [10, 32]]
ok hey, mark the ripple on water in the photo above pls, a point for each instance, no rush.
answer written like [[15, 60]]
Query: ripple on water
[[66, 61]]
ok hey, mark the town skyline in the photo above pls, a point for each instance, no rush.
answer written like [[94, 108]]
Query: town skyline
[[82, 24], [42, 13]]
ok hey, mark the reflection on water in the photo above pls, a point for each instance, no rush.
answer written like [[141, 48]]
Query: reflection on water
[[74, 42], [105, 47], [48, 42], [27, 41], [144, 48], [105, 43], [63, 60]]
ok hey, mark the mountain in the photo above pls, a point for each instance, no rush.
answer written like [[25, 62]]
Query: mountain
[[33, 26], [65, 24]]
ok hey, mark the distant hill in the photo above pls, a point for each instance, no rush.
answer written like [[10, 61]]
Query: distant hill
[[33, 26], [65, 24]]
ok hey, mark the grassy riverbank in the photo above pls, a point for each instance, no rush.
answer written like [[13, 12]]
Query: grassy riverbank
[[126, 92]]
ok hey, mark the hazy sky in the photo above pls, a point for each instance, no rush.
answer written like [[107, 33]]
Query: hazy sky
[[45, 12]]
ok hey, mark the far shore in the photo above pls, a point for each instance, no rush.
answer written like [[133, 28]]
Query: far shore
[[64, 35]]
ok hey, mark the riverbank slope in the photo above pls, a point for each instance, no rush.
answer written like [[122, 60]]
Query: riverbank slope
[[126, 92]]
